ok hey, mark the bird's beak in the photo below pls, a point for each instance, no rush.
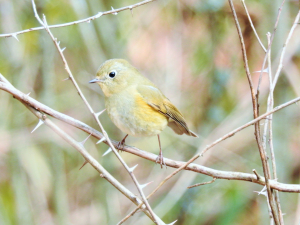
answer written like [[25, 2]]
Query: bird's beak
[[95, 80]]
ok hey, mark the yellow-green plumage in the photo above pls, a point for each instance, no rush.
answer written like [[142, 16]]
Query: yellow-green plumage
[[131, 115], [134, 104]]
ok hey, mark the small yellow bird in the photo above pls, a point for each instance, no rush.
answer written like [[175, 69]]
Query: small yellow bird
[[135, 105]]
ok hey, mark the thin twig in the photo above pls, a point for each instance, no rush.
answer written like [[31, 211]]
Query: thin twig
[[204, 183], [244, 54], [86, 20], [270, 107], [269, 47], [161, 184], [128, 216], [253, 28], [295, 24], [270, 97], [268, 126]]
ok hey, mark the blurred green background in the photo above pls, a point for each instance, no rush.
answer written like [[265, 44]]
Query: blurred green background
[[191, 50]]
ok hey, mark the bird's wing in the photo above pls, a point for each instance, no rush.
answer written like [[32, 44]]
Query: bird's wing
[[162, 104]]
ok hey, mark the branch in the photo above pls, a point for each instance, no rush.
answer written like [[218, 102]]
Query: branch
[[152, 157], [252, 26], [244, 54], [204, 183], [296, 23], [270, 127], [269, 47], [80, 148], [86, 20]]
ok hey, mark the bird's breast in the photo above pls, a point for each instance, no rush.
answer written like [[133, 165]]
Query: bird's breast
[[131, 114]]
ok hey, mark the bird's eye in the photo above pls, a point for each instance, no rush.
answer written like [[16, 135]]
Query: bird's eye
[[112, 74]]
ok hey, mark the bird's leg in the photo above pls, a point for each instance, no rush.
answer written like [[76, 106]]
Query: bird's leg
[[120, 145], [160, 158]]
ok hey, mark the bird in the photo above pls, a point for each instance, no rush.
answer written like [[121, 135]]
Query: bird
[[136, 105]]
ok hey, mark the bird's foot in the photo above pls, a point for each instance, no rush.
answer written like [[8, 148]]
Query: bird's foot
[[160, 160]]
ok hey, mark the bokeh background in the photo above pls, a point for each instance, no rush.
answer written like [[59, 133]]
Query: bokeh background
[[191, 50]]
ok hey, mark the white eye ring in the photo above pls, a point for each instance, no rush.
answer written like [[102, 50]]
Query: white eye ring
[[112, 74]]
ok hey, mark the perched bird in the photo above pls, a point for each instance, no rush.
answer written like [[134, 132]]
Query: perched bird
[[135, 105]]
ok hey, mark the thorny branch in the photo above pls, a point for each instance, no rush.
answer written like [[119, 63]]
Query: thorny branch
[[152, 157], [86, 20], [155, 218], [78, 146]]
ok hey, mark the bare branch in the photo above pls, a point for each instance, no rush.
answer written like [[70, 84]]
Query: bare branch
[[86, 20], [254, 104], [270, 98], [253, 28], [269, 47], [270, 127], [284, 49]]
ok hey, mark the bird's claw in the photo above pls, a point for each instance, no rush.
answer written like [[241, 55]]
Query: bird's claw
[[161, 161]]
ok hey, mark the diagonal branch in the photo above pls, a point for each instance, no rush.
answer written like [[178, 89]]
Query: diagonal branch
[[95, 115], [97, 166], [252, 26], [80, 148], [280, 66]]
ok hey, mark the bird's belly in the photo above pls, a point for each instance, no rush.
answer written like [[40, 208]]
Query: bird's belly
[[137, 119]]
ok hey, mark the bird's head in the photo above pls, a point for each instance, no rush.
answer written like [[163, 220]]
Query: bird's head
[[115, 75]]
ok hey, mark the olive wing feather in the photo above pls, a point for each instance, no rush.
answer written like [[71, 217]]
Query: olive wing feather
[[162, 104]]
